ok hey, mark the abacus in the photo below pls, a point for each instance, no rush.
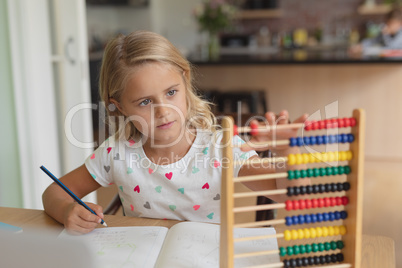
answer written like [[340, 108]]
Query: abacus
[[342, 253]]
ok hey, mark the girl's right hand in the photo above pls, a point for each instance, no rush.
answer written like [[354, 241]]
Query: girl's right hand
[[78, 220]]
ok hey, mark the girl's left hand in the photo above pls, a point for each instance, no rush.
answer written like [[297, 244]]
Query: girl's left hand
[[276, 134]]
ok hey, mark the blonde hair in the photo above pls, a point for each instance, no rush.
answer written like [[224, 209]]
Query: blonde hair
[[125, 53]]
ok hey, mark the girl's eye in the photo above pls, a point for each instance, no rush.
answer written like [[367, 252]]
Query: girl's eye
[[172, 92], [145, 102]]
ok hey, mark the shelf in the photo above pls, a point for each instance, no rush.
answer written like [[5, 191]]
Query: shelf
[[374, 9], [259, 14]]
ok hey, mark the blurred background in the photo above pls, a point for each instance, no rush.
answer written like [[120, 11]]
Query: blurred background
[[265, 54]]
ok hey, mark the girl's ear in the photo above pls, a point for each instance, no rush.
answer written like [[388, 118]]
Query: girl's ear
[[115, 103]]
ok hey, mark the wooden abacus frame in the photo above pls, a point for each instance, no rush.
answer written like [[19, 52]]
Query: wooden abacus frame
[[352, 239]]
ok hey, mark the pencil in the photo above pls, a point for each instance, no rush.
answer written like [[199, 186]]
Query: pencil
[[76, 198]]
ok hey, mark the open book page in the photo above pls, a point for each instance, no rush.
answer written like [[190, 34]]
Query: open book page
[[136, 246], [192, 244]]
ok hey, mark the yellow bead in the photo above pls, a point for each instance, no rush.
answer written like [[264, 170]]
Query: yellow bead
[[300, 233], [306, 233], [342, 156], [313, 233], [324, 231], [336, 230], [316, 157], [336, 156], [299, 159], [324, 157], [331, 156], [291, 159], [331, 231], [287, 235], [307, 158], [319, 231], [349, 155], [342, 229], [295, 235]]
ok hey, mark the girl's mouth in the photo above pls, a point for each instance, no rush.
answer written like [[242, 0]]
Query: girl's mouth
[[166, 126]]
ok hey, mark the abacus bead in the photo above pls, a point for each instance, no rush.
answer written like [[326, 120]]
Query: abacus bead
[[320, 217], [323, 171], [328, 187], [319, 140], [341, 123], [289, 251], [254, 129], [320, 202], [325, 216], [342, 157], [324, 139], [286, 264], [308, 158], [296, 250], [331, 156], [300, 234], [345, 200], [337, 215], [335, 170], [310, 260], [316, 260], [309, 189], [282, 251], [332, 139], [307, 125], [337, 230], [291, 174], [307, 234], [340, 257], [306, 140], [314, 247], [299, 159], [334, 122], [341, 170], [321, 124], [334, 187], [322, 188], [349, 155], [299, 141], [327, 123], [339, 244], [333, 245], [313, 140], [288, 221], [291, 159], [293, 263], [346, 122], [347, 169], [308, 247], [299, 262], [333, 201], [315, 125], [302, 249], [338, 200], [313, 218], [334, 258], [342, 230], [340, 186], [310, 172], [292, 142], [295, 220], [287, 235], [324, 231], [314, 203], [303, 173], [316, 172], [346, 186], [297, 174], [301, 219], [308, 203], [328, 258], [340, 138], [302, 190], [305, 261], [319, 231], [322, 260], [313, 232], [351, 138], [321, 247], [331, 231], [328, 171], [344, 215], [235, 130], [352, 122], [296, 190], [302, 204], [307, 219], [295, 204], [327, 202], [327, 246], [288, 205], [295, 234], [290, 191], [316, 188], [331, 216]]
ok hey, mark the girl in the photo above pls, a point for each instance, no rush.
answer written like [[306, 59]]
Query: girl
[[165, 156]]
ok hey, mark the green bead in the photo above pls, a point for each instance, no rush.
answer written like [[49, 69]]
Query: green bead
[[308, 248], [322, 172], [310, 172], [302, 249], [291, 175], [339, 244], [347, 169], [316, 172], [289, 250], [321, 247], [329, 171], [282, 251], [314, 247], [335, 171], [297, 174], [333, 245], [296, 250], [327, 246], [303, 173], [341, 169]]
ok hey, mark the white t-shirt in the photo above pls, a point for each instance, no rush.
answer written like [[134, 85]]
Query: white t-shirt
[[188, 189]]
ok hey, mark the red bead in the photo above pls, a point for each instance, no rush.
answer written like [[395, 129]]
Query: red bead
[[327, 123], [308, 203], [307, 125], [332, 201], [302, 204], [235, 131], [341, 123], [321, 124], [295, 204], [334, 123], [315, 125], [314, 203], [289, 205], [327, 202], [254, 129], [338, 201], [345, 200], [352, 122], [347, 122], [320, 202]]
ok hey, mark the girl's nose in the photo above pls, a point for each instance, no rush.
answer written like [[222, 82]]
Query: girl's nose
[[161, 110]]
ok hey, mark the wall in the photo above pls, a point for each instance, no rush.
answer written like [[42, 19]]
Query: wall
[[10, 177]]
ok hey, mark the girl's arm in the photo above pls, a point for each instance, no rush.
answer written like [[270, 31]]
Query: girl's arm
[[60, 206]]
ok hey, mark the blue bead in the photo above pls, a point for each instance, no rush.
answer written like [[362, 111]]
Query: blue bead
[[320, 218], [325, 216], [344, 215], [295, 220], [301, 219], [331, 216], [306, 140], [332, 139], [337, 215], [319, 140], [340, 138], [351, 138], [292, 142], [299, 141], [288, 221], [313, 218], [307, 218], [313, 140], [344, 138], [324, 139]]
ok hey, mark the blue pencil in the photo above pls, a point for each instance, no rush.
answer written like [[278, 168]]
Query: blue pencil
[[56, 180]]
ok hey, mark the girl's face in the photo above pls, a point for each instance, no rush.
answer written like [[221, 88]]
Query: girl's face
[[155, 99]]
